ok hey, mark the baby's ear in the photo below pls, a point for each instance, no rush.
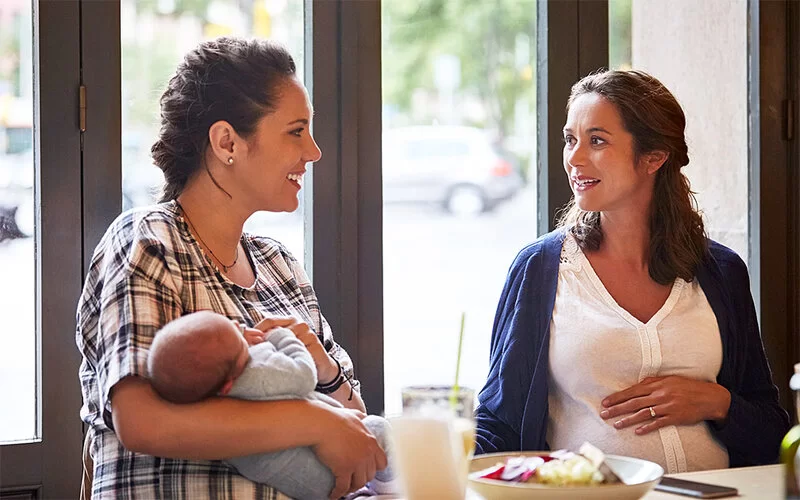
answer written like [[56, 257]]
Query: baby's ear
[[226, 388]]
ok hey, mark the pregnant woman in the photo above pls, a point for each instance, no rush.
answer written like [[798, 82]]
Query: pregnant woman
[[626, 326]]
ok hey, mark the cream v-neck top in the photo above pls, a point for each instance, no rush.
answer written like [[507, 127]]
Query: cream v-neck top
[[598, 348]]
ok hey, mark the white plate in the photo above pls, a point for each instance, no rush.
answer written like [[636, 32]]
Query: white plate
[[639, 476]]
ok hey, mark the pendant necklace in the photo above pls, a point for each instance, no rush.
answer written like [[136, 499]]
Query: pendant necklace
[[213, 258]]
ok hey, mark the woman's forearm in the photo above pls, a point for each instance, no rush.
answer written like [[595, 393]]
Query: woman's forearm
[[214, 429]]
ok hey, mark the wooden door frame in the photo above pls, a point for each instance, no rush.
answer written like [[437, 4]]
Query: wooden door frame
[[51, 467]]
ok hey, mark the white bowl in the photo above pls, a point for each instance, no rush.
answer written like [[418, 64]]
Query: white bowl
[[639, 476]]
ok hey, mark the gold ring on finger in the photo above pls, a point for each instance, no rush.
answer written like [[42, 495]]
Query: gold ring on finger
[[652, 412]]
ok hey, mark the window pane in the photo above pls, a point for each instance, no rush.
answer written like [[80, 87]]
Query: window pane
[[17, 251], [155, 37], [459, 125], [699, 51]]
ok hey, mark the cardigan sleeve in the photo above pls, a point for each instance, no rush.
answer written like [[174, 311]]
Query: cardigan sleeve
[[502, 399], [756, 423]]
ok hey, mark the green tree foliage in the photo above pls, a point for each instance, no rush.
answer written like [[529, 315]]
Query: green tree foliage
[[10, 52], [488, 37], [145, 73], [198, 8], [147, 68], [619, 34]]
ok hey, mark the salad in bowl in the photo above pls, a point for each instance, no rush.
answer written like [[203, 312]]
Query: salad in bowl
[[562, 474]]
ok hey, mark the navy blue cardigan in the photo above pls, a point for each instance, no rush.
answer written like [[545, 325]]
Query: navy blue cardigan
[[512, 410]]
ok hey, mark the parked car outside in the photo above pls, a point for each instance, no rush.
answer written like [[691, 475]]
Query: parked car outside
[[455, 167]]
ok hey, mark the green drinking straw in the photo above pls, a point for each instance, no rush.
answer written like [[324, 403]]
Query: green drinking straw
[[454, 394]]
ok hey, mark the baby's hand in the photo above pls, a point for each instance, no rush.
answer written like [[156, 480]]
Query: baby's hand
[[327, 368], [253, 336], [268, 324]]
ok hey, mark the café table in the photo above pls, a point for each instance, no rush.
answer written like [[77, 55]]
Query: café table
[[765, 482]]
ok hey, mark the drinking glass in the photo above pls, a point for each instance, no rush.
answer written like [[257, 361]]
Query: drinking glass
[[434, 439]]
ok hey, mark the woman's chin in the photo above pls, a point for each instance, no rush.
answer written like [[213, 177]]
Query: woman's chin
[[586, 205], [287, 206], [291, 207]]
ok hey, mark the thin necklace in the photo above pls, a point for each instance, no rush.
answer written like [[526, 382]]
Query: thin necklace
[[213, 256]]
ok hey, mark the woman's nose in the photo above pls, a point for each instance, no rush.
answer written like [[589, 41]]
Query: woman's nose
[[313, 153], [574, 156]]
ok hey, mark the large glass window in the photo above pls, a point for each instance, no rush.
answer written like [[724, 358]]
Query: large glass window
[[18, 419], [459, 125], [155, 36], [699, 51]]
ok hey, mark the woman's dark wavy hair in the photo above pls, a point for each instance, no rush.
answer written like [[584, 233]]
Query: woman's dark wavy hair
[[652, 115], [229, 79]]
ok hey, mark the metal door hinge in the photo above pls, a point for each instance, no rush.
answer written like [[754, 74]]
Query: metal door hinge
[[82, 107], [789, 119]]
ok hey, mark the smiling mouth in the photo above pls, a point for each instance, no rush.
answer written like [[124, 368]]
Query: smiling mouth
[[296, 178], [583, 184]]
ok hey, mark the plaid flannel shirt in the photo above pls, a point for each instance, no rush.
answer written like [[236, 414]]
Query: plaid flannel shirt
[[146, 271]]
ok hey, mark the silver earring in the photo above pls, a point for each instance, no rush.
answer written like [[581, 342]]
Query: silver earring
[[230, 160]]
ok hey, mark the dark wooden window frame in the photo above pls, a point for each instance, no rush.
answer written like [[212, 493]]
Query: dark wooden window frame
[[774, 189], [346, 241], [51, 468]]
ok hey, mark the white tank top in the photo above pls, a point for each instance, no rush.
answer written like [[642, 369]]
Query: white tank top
[[598, 348]]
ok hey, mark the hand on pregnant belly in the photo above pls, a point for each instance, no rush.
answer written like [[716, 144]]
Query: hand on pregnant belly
[[657, 402]]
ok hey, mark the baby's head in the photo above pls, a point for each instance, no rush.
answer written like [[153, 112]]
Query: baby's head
[[196, 356]]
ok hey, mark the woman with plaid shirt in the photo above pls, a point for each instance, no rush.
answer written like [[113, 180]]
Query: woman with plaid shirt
[[234, 140]]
